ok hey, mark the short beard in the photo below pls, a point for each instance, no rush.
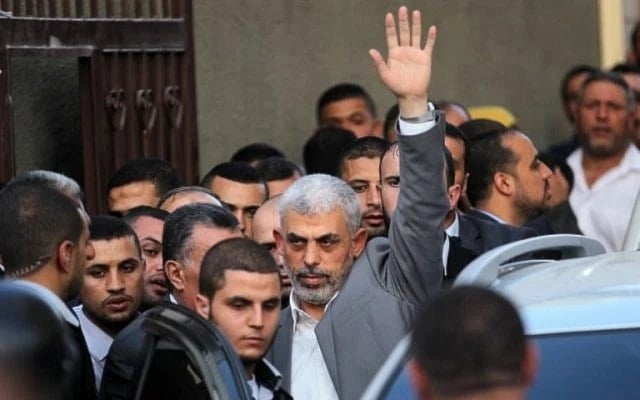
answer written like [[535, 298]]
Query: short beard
[[317, 295]]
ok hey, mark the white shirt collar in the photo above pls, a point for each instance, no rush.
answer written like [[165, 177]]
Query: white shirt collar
[[98, 341], [53, 300], [298, 313], [454, 228]]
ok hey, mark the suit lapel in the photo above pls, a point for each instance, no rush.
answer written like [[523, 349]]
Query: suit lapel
[[470, 235], [324, 333]]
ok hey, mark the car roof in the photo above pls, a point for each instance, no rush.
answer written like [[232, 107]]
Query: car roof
[[584, 294]]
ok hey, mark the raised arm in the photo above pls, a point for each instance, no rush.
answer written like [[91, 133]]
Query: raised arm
[[413, 268], [407, 71]]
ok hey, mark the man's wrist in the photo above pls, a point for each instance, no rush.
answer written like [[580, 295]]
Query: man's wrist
[[412, 107]]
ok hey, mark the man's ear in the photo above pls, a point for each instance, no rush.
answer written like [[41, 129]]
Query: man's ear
[[454, 193], [419, 380], [504, 183], [202, 306], [64, 256], [529, 364], [359, 242], [175, 274], [277, 235]]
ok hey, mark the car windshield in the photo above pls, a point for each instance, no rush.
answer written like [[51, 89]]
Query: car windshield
[[593, 365]]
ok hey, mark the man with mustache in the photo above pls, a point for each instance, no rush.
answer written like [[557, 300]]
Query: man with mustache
[[606, 167], [350, 305], [507, 181], [359, 166], [112, 287]]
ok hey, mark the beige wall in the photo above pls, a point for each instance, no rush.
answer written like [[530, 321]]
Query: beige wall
[[260, 65]]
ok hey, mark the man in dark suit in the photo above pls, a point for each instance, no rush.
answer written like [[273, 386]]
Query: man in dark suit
[[44, 245], [348, 309]]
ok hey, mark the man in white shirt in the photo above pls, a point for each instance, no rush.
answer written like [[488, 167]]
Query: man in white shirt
[[112, 287], [240, 293], [607, 164]]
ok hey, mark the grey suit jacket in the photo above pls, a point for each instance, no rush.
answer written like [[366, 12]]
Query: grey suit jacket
[[389, 281]]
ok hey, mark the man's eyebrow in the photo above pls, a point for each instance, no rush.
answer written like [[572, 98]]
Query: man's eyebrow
[[154, 240], [292, 235], [328, 236], [355, 181], [237, 298]]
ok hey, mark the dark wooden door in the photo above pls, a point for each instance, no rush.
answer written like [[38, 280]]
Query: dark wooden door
[[136, 72]]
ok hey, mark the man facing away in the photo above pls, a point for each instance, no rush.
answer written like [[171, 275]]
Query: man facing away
[[112, 287], [240, 293], [348, 310], [469, 343]]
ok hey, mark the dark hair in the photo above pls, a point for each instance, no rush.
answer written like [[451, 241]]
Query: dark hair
[[160, 172], [239, 254], [635, 35], [569, 75], [256, 152], [390, 119], [614, 78], [34, 221], [344, 91], [450, 169], [485, 157], [320, 152], [469, 339], [477, 127], [183, 189], [553, 161], [54, 180], [144, 211], [368, 146], [455, 133], [178, 227], [625, 68], [107, 227], [234, 171], [276, 168]]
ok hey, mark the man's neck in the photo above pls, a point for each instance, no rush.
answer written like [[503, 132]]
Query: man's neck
[[503, 210], [449, 218], [595, 167], [316, 311]]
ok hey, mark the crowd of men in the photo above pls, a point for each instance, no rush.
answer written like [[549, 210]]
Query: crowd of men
[[314, 273]]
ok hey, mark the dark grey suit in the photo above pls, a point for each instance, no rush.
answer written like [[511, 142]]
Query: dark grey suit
[[389, 281]]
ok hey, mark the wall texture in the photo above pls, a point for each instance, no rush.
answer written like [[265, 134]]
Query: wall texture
[[260, 65]]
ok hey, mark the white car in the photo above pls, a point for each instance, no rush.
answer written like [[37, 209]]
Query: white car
[[582, 311]]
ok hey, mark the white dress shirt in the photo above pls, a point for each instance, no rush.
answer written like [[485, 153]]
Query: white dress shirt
[[452, 230], [259, 392], [98, 342], [310, 377], [603, 210]]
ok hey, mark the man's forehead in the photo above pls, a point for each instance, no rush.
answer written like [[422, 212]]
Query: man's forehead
[[361, 167], [243, 284], [115, 246], [232, 192], [344, 108], [320, 222]]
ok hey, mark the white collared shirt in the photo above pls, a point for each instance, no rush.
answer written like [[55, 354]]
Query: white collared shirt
[[259, 392], [452, 230], [98, 342], [310, 377], [603, 210]]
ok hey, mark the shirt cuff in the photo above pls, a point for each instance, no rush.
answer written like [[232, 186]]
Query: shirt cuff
[[410, 129]]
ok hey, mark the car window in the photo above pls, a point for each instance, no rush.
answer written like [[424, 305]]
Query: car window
[[591, 365]]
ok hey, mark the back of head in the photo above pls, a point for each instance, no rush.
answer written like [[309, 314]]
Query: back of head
[[236, 171], [192, 192], [469, 340], [277, 168], [37, 352], [160, 172], [390, 119], [368, 147], [238, 254], [54, 180], [179, 225], [477, 127], [255, 152], [321, 194], [321, 150], [34, 221], [343, 91], [487, 155], [107, 227]]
